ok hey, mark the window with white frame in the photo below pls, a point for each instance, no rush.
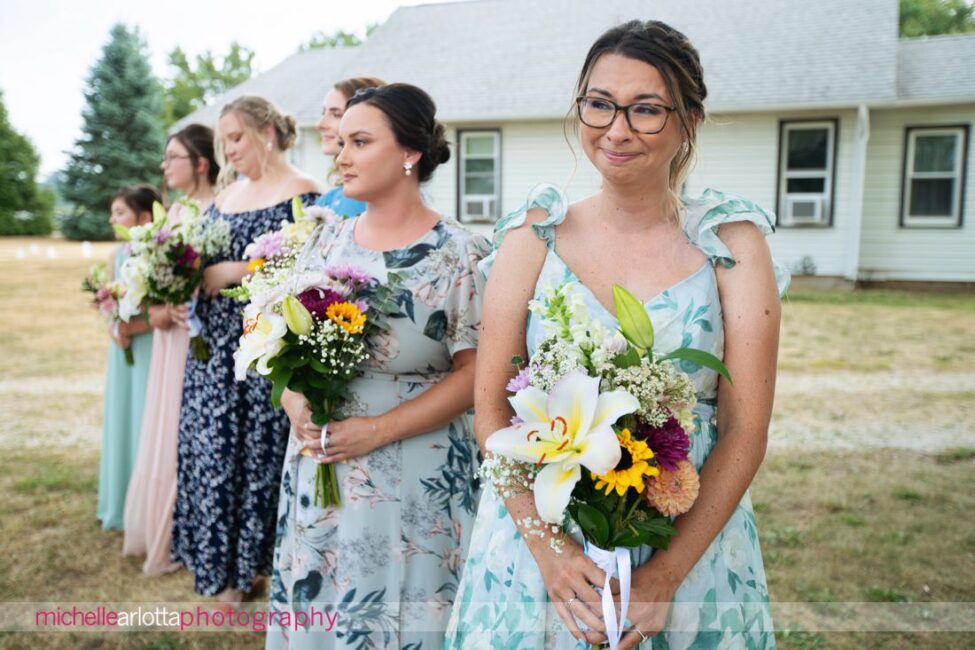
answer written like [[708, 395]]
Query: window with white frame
[[479, 176], [807, 158], [934, 177]]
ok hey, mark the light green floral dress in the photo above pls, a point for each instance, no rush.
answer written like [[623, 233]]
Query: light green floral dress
[[723, 603], [388, 559]]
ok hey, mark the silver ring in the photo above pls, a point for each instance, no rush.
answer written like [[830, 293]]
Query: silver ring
[[568, 603], [325, 441]]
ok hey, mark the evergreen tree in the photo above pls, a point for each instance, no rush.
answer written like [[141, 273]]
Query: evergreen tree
[[25, 209], [122, 136]]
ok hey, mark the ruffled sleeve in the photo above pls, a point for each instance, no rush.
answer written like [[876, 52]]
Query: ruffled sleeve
[[705, 215], [463, 302], [547, 197]]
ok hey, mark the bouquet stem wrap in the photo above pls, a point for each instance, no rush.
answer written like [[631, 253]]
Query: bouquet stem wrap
[[326, 482], [615, 562]]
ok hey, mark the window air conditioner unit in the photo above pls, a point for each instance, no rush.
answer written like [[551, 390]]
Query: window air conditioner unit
[[804, 209]]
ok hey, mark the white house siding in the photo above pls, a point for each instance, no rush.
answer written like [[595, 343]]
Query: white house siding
[[738, 153], [890, 252], [307, 155]]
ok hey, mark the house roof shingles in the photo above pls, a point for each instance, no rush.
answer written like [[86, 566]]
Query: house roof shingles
[[497, 60]]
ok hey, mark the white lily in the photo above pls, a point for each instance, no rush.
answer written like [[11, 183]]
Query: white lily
[[568, 429], [134, 275], [262, 340]]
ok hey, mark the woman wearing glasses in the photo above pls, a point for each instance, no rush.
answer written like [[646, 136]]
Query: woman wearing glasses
[[189, 166], [640, 103]]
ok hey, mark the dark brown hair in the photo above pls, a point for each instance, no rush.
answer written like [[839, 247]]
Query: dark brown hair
[[411, 114], [198, 142], [670, 52], [138, 197]]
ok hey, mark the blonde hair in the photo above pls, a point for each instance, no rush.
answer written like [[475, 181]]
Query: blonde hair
[[668, 50], [257, 114]]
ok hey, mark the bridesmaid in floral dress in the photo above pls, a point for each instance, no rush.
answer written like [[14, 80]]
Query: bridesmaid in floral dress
[[711, 284], [328, 128], [190, 166], [387, 560], [231, 440]]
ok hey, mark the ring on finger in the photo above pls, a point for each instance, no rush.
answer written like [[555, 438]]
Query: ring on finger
[[568, 603], [642, 635]]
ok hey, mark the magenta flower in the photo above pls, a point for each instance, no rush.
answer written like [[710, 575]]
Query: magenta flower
[[669, 443], [188, 257], [317, 301], [519, 382]]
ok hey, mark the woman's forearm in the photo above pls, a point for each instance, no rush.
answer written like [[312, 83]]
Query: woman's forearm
[[438, 406]]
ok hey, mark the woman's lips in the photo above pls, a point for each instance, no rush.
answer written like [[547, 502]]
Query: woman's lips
[[619, 156]]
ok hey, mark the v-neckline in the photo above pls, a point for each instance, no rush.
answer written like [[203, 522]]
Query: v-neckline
[[705, 265]]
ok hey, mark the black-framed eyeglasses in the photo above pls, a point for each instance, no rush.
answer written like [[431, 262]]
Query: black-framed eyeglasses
[[168, 158], [643, 117]]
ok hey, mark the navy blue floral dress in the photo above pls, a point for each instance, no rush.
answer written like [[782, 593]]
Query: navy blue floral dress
[[231, 440]]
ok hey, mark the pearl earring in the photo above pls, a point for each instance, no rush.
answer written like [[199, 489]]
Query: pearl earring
[[268, 145], [408, 168]]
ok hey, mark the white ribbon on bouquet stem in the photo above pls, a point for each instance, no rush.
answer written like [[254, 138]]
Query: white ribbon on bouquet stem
[[614, 562]]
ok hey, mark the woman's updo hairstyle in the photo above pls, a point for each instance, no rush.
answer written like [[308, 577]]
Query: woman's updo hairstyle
[[411, 114], [259, 113], [670, 52]]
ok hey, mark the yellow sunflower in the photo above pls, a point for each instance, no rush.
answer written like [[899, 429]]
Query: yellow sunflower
[[632, 468], [347, 316]]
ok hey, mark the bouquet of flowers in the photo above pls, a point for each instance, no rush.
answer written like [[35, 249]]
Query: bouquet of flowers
[[165, 263], [106, 296], [601, 434], [272, 256], [307, 329]]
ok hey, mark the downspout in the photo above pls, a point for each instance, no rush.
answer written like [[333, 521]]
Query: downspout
[[858, 176]]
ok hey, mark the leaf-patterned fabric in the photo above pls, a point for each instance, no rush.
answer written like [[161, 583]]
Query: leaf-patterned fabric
[[388, 559]]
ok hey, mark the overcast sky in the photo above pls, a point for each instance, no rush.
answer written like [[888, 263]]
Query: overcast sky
[[47, 47]]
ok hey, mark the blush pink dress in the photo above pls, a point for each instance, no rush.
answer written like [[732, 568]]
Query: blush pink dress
[[152, 489]]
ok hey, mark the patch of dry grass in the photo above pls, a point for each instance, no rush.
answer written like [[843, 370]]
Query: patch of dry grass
[[875, 330]]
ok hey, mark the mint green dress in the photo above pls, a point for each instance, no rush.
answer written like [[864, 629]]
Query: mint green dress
[[502, 601], [125, 392]]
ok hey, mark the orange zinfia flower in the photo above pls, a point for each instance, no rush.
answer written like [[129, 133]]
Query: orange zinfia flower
[[347, 316], [673, 492]]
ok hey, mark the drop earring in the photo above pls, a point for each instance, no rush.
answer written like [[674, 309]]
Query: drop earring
[[268, 145], [408, 168]]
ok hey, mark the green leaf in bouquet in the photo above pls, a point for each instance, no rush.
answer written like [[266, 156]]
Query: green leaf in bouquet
[[634, 322], [279, 381], [158, 213], [121, 232], [628, 359], [701, 358], [297, 209], [239, 293], [317, 366], [594, 524], [517, 360], [627, 537]]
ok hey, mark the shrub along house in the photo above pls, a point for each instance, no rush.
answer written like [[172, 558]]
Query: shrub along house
[[858, 140]]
